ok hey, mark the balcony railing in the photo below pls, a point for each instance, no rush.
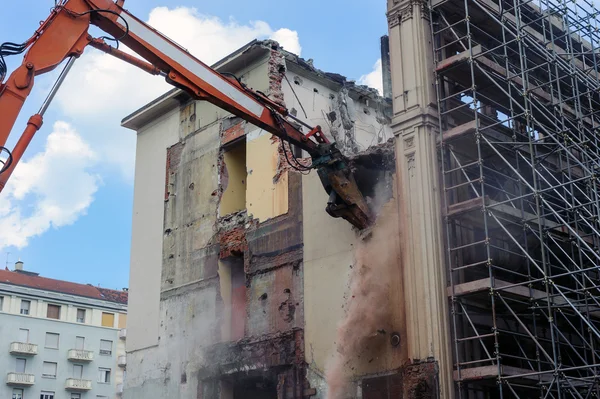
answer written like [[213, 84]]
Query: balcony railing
[[122, 361], [80, 355], [76, 384], [21, 379], [22, 348], [123, 333]]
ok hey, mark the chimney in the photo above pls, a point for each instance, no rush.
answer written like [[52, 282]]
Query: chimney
[[19, 265], [386, 67]]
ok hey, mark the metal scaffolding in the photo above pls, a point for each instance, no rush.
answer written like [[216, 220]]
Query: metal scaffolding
[[518, 95]]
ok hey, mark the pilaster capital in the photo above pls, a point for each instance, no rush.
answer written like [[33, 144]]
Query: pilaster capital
[[403, 10]]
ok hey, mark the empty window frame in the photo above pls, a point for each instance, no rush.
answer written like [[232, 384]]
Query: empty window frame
[[49, 370], [51, 340], [234, 197], [105, 347], [25, 306], [103, 376], [53, 312], [80, 315]]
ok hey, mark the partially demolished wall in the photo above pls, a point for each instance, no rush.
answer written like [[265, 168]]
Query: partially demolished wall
[[255, 274]]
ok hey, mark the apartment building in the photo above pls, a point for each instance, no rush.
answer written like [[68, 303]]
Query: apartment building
[[60, 340]]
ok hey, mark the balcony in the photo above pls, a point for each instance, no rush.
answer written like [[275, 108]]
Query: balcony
[[22, 348], [20, 379], [123, 333], [75, 384], [80, 355], [122, 361], [119, 389]]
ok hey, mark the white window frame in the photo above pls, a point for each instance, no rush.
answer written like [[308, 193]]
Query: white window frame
[[47, 395], [46, 375], [27, 311], [57, 340], [104, 375], [75, 395], [17, 391], [80, 320], [77, 341]]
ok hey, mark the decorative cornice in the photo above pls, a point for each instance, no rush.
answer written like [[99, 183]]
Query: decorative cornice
[[403, 11]]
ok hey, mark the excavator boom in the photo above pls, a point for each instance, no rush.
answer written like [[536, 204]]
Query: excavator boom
[[64, 35]]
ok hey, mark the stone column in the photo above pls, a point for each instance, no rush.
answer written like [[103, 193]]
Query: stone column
[[415, 125]]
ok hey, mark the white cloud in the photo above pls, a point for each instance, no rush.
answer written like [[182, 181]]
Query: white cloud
[[288, 39], [56, 186], [101, 90], [374, 78], [52, 189]]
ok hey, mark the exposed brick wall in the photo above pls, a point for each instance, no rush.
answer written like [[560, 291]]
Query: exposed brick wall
[[232, 129], [413, 381]]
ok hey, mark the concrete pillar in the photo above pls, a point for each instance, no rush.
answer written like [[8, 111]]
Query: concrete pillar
[[415, 125]]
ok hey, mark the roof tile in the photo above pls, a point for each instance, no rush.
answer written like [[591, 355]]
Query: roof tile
[[65, 287]]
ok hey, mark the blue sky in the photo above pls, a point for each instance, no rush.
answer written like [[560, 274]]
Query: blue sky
[[67, 212]]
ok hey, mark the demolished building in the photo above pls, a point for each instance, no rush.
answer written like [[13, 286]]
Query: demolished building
[[239, 277], [479, 279]]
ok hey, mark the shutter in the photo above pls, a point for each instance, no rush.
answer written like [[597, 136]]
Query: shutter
[[79, 343], [108, 319], [122, 320], [51, 341], [53, 312], [77, 371], [23, 335], [81, 315], [105, 347], [49, 369], [20, 365]]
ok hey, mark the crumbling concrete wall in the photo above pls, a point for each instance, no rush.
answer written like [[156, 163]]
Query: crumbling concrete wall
[[214, 331], [188, 317], [355, 118]]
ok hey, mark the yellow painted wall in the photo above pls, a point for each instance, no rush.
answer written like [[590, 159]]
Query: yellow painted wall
[[234, 197], [264, 199]]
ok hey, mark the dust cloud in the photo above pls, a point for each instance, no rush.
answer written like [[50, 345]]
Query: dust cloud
[[364, 334]]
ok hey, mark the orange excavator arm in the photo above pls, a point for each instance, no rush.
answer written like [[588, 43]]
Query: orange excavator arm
[[64, 36]]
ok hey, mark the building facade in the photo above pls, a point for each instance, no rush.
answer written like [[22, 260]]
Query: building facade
[[495, 116], [241, 285], [61, 340]]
